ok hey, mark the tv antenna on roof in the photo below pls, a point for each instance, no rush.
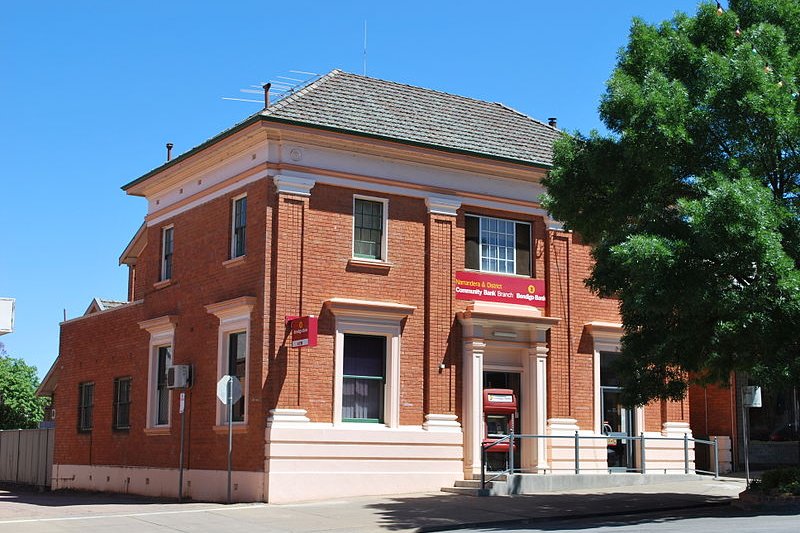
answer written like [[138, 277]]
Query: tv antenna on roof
[[365, 47], [281, 86]]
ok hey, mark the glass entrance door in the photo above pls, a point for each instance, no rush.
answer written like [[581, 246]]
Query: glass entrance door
[[618, 420]]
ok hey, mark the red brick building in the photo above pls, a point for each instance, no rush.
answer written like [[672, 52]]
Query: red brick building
[[370, 205]]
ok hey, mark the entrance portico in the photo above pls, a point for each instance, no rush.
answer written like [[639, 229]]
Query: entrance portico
[[505, 338]]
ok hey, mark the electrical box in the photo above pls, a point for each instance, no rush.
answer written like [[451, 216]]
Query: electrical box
[[179, 376]]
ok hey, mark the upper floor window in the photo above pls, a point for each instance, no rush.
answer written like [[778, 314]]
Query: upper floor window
[[122, 403], [166, 253], [86, 406], [369, 228], [498, 245], [239, 227]]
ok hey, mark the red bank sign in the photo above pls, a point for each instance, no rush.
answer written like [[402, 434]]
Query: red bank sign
[[304, 331], [502, 289]]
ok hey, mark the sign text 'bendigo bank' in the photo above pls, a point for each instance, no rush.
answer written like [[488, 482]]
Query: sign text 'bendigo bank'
[[502, 289]]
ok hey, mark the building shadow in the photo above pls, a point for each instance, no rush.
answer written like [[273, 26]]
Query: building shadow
[[553, 512]]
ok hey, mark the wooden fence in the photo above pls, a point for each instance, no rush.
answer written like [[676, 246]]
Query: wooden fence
[[26, 456]]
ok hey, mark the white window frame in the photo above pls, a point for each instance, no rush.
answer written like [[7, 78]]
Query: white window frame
[[481, 219], [369, 318], [234, 317], [233, 227], [384, 234], [163, 269], [162, 333]]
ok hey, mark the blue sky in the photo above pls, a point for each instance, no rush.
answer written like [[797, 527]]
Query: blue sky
[[90, 91]]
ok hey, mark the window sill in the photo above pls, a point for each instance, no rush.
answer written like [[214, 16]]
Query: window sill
[[371, 264], [157, 431], [365, 425], [163, 283], [238, 427], [235, 261]]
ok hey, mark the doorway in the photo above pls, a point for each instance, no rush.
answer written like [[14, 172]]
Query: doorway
[[618, 419], [508, 380]]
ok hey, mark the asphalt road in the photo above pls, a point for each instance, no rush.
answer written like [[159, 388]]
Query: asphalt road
[[724, 519]]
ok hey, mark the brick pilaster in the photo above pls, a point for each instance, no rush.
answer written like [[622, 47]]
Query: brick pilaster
[[440, 267], [289, 248]]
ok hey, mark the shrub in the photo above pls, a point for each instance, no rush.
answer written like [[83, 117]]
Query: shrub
[[781, 481]]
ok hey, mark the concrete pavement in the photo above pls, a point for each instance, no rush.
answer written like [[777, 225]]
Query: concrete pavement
[[25, 510]]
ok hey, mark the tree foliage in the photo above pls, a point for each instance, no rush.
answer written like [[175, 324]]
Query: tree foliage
[[20, 408], [690, 201]]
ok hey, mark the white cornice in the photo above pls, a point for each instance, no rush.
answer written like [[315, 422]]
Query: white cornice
[[158, 325], [234, 308], [368, 308], [443, 205], [295, 185]]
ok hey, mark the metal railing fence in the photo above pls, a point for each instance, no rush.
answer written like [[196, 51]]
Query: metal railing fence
[[629, 440]]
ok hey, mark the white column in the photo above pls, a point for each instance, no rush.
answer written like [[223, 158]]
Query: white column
[[541, 403], [473, 405], [535, 408]]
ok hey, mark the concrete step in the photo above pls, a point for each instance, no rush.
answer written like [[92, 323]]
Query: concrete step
[[494, 476], [464, 491], [472, 487], [538, 483]]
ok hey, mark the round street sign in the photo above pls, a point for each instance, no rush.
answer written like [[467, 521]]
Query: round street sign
[[222, 389]]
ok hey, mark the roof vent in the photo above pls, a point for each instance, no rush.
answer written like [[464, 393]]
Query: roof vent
[[169, 151], [553, 122]]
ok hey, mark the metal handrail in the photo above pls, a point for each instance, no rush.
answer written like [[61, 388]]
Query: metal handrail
[[512, 437]]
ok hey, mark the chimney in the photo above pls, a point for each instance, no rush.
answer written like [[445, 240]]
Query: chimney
[[266, 95], [169, 151], [553, 122]]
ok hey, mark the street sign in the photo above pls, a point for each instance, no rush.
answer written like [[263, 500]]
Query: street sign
[[751, 397], [222, 389]]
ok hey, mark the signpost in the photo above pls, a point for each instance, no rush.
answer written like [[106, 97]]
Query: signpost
[[229, 391], [182, 411], [751, 397]]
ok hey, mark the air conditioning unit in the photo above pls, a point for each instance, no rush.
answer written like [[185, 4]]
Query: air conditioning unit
[[179, 376]]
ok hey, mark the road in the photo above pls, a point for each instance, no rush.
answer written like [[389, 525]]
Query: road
[[723, 519]]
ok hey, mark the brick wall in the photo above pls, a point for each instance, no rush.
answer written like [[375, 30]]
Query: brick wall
[[106, 345], [299, 249]]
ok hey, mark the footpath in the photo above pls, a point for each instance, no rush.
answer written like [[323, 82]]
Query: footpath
[[25, 510]]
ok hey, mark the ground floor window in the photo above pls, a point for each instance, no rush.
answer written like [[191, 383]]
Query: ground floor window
[[237, 366], [122, 403], [163, 362], [778, 418], [364, 378]]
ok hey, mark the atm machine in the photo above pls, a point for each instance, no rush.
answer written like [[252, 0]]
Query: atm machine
[[499, 408]]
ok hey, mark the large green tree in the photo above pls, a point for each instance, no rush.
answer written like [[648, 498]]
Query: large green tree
[[20, 408], [690, 201]]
